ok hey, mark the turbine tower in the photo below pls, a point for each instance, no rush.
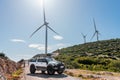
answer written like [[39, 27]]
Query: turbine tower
[[45, 24], [96, 31], [84, 37]]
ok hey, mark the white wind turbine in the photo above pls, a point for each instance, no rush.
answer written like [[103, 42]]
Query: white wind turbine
[[84, 37], [45, 24], [96, 31]]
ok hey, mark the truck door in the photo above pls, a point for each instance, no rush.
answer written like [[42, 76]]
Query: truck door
[[39, 62], [44, 63]]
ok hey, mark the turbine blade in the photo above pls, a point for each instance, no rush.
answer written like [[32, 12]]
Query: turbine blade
[[94, 24], [36, 30], [82, 34], [44, 11], [93, 36], [85, 35], [52, 30]]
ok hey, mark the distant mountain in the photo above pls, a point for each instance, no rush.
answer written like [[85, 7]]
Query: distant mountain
[[100, 55]]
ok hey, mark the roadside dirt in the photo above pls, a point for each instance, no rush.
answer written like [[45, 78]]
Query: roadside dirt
[[93, 75]]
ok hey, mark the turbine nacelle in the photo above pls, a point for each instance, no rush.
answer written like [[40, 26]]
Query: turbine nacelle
[[46, 23]]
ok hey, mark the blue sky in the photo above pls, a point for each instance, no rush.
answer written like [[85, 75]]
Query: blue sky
[[70, 18]]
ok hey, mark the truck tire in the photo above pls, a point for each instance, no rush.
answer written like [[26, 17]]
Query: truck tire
[[32, 69], [60, 71], [50, 70]]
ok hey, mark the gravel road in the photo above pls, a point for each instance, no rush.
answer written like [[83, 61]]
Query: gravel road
[[39, 76]]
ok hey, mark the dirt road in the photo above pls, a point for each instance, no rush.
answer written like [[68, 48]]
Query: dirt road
[[39, 76]]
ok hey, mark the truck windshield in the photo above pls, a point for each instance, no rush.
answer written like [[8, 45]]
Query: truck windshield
[[50, 59]]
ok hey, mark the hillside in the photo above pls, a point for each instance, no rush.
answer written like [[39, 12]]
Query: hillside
[[100, 55], [7, 66]]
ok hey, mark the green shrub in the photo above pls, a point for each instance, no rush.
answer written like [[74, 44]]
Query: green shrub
[[114, 66], [76, 65]]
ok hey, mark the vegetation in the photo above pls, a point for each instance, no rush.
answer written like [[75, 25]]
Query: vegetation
[[2, 55], [100, 55], [16, 74]]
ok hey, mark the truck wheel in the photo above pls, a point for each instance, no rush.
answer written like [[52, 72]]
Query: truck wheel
[[60, 71], [32, 69], [50, 70]]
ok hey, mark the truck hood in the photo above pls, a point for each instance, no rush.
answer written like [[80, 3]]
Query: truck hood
[[55, 62]]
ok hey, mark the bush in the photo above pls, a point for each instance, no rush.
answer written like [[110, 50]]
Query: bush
[[76, 65], [114, 66], [2, 55]]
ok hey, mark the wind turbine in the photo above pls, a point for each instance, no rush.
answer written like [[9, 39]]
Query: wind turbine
[[45, 24], [84, 37], [96, 31]]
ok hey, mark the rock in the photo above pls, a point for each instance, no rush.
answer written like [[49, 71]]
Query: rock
[[7, 66]]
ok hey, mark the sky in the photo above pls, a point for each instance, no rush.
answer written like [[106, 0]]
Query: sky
[[20, 18]]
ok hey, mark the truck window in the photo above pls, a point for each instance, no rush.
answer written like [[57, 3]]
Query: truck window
[[39, 60], [33, 60]]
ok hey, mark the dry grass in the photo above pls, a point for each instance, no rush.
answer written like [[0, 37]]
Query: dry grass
[[15, 75]]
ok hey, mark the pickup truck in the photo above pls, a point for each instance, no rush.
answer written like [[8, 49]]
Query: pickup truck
[[46, 64]]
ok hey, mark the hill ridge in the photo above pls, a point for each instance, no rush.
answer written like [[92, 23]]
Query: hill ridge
[[105, 47]]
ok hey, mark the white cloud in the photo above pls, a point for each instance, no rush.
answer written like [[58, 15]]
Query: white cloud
[[39, 47], [18, 40], [34, 45], [56, 37]]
